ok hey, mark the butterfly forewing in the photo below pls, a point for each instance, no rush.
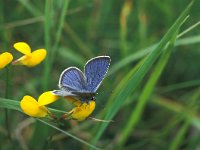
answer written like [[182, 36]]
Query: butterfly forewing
[[72, 79], [95, 70]]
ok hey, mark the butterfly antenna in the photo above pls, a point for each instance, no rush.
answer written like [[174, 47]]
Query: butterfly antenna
[[106, 52], [100, 120]]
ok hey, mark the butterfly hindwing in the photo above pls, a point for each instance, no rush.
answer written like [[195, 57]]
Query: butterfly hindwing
[[72, 79], [95, 70], [62, 93]]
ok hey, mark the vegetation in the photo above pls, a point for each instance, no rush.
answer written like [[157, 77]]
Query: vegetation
[[150, 96]]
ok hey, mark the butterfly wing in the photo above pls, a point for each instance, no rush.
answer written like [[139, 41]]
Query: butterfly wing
[[95, 71], [72, 79], [63, 93]]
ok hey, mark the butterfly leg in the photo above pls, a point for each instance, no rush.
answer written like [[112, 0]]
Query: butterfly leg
[[67, 115]]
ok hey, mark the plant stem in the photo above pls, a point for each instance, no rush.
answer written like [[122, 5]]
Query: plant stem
[[7, 92], [7, 79]]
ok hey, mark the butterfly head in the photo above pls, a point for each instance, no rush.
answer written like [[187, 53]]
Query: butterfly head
[[93, 98]]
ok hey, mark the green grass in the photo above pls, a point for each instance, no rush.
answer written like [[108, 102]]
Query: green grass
[[151, 91]]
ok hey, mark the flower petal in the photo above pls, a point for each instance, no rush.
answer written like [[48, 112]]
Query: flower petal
[[22, 47], [5, 59], [30, 107], [81, 112], [47, 98], [36, 58]]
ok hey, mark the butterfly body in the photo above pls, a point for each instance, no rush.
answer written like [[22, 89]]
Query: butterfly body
[[85, 97]]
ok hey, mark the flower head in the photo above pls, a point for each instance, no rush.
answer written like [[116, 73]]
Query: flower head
[[30, 59], [82, 111], [5, 59], [35, 108]]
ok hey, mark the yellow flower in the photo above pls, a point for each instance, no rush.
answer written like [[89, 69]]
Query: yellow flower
[[82, 111], [5, 59], [35, 108], [31, 107], [30, 59]]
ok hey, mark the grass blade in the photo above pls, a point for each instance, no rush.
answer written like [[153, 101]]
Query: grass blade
[[143, 52], [142, 100], [52, 51], [180, 136], [35, 12], [60, 27], [70, 135], [134, 81]]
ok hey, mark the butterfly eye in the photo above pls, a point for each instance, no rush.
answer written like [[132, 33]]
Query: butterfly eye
[[93, 98]]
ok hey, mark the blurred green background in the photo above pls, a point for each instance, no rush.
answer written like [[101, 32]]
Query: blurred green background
[[154, 102]]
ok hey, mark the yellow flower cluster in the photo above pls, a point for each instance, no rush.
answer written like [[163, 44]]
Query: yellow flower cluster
[[29, 59], [35, 108]]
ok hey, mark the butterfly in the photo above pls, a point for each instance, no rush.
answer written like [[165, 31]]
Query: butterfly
[[83, 85], [80, 87]]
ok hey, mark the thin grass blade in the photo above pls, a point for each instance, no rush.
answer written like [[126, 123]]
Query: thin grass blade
[[142, 100], [136, 78]]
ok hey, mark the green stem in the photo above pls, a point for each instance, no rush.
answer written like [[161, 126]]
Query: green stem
[[7, 123], [77, 40], [7, 95], [4, 46], [60, 28], [51, 53], [178, 140], [47, 39]]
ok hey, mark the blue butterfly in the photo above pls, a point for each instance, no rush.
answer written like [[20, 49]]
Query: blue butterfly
[[83, 86]]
